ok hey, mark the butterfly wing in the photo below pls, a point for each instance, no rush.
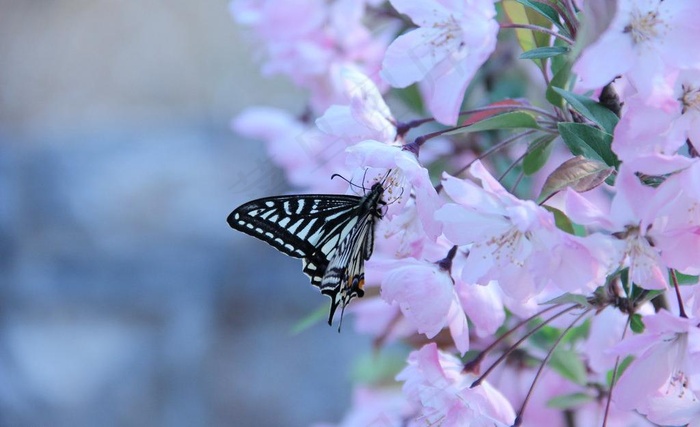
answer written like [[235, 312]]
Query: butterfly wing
[[333, 234], [303, 226], [345, 275]]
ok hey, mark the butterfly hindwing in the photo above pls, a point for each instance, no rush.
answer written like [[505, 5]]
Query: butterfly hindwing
[[345, 275], [333, 234]]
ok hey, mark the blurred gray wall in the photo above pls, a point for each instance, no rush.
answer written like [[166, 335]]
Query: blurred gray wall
[[125, 299]]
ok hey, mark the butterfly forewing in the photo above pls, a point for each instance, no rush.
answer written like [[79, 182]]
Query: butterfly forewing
[[333, 234], [292, 224]]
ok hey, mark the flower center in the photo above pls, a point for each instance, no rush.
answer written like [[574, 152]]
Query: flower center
[[505, 247], [450, 30], [643, 26], [690, 99]]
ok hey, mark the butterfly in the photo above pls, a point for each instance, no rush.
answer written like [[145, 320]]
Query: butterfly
[[332, 234]]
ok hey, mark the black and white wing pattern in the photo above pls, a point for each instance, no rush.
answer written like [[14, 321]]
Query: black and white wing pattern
[[333, 234]]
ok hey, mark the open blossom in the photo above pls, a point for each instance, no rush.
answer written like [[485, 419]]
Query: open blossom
[[648, 138], [648, 40], [515, 241], [644, 139], [366, 126], [657, 227], [435, 381], [376, 407], [453, 40], [662, 381], [426, 294], [407, 173], [675, 228], [627, 217], [364, 114], [403, 236], [311, 41], [607, 328], [308, 157]]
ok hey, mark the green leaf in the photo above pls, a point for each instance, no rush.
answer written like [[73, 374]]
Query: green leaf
[[561, 79], [590, 109], [567, 298], [546, 336], [377, 367], [570, 401], [624, 279], [548, 12], [560, 61], [588, 141], [569, 365], [411, 97], [544, 52], [620, 369], [538, 153], [512, 120], [579, 333], [579, 173], [309, 320], [636, 323], [528, 39], [561, 220], [685, 279]]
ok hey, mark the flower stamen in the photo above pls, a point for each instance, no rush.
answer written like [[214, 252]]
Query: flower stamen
[[643, 26]]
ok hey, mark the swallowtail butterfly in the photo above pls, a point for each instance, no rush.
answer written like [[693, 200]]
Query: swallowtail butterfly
[[333, 234]]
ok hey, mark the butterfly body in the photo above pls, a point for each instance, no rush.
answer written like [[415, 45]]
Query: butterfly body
[[333, 234]]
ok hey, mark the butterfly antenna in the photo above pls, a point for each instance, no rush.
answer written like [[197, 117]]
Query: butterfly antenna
[[352, 184], [400, 195], [364, 176], [387, 175], [341, 177]]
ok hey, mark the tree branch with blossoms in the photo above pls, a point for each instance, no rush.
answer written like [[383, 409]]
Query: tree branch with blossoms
[[589, 114]]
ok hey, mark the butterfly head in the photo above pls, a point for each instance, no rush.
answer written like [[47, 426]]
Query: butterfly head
[[387, 189]]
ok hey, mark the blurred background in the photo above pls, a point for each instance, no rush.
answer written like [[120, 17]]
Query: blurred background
[[125, 298]]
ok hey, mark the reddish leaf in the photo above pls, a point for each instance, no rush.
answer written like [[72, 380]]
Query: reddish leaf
[[477, 117]]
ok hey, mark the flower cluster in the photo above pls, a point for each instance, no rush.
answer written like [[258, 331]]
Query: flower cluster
[[537, 261]]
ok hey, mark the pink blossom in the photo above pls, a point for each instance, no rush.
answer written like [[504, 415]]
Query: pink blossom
[[675, 225], [408, 177], [687, 126], [662, 382], [368, 128], [657, 228], [647, 40], [277, 20], [308, 157], [402, 235], [425, 293], [311, 41], [515, 241], [363, 116], [434, 380], [376, 407], [483, 305], [453, 40], [376, 318], [630, 217], [607, 329], [648, 138], [643, 141]]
